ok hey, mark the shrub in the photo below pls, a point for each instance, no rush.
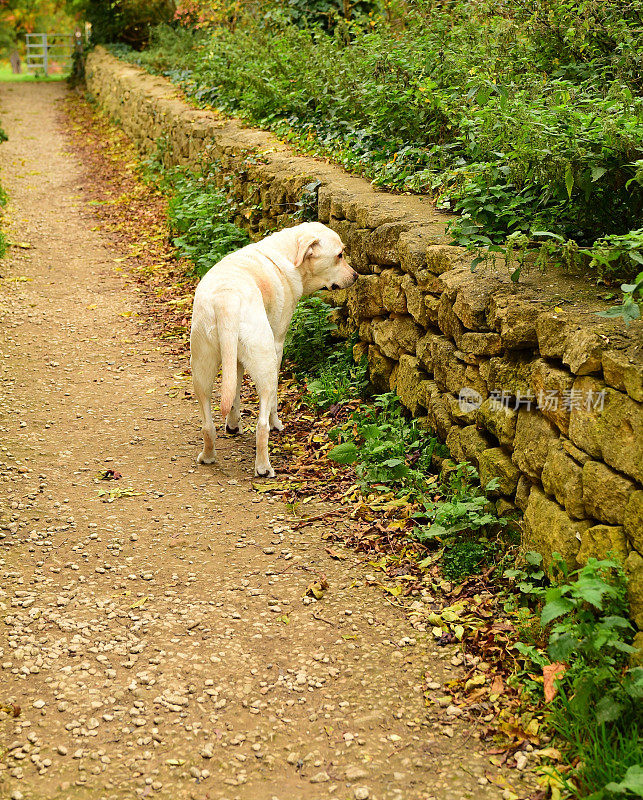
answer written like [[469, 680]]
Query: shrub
[[126, 21], [464, 100]]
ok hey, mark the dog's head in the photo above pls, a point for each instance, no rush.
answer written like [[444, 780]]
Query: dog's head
[[320, 258]]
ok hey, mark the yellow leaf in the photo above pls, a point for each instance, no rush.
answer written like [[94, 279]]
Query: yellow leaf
[[477, 680], [140, 602]]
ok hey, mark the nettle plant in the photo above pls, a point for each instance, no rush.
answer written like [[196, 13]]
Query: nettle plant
[[388, 450], [463, 522], [626, 250], [599, 703], [316, 357], [200, 219]]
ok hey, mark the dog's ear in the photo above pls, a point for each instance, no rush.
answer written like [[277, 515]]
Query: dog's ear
[[305, 244]]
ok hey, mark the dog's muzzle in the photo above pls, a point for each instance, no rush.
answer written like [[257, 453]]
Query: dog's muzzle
[[351, 280]]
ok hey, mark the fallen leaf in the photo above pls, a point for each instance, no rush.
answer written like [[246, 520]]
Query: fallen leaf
[[317, 588], [336, 554], [140, 602], [109, 475], [551, 672]]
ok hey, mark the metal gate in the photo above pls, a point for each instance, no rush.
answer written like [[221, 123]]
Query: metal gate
[[45, 49]]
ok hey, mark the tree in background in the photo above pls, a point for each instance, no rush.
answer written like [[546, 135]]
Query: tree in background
[[126, 21], [303, 13], [18, 17]]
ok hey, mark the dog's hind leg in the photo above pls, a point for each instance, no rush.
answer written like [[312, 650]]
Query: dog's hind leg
[[265, 389], [263, 371], [205, 365], [233, 420], [275, 423]]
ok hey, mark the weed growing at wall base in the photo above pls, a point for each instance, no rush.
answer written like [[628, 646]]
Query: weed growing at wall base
[[199, 214], [594, 695], [319, 359]]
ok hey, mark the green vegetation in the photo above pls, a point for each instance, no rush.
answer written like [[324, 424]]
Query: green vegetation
[[317, 357], [7, 76], [581, 639], [310, 339], [199, 214], [391, 453], [585, 641], [522, 117]]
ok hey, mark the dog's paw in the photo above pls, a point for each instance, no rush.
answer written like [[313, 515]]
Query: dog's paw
[[264, 472], [202, 458], [276, 425]]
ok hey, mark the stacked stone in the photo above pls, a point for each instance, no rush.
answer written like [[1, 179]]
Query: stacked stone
[[432, 330]]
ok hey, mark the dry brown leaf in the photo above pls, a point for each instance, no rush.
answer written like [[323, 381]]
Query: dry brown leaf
[[550, 673]]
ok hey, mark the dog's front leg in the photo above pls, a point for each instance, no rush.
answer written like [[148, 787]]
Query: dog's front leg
[[275, 423]]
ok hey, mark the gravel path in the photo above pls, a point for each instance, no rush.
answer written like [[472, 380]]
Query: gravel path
[[158, 645]]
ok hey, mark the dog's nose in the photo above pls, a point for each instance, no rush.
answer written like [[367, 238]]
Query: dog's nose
[[335, 286]]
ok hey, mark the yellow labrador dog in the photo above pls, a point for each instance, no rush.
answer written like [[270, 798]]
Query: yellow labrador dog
[[242, 310]]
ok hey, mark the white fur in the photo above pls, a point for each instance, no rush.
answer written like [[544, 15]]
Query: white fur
[[241, 313]]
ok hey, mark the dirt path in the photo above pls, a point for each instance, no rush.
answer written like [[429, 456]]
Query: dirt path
[[158, 645]]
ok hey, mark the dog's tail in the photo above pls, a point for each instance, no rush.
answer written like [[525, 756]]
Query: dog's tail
[[228, 331]]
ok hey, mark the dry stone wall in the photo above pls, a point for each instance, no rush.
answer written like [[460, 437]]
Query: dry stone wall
[[528, 384]]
